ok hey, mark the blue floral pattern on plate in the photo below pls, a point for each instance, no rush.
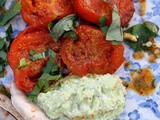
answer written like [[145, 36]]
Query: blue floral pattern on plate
[[137, 107]]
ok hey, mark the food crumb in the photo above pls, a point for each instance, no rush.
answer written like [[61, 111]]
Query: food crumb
[[33, 110], [143, 81], [139, 55], [142, 4], [152, 58], [127, 64]]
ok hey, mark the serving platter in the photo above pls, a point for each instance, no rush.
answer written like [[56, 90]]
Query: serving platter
[[137, 107]]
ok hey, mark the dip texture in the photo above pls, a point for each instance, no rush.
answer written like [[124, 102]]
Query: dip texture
[[94, 97]]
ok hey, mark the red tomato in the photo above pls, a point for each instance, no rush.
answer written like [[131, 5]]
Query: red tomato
[[91, 53], [125, 9], [34, 38], [44, 11], [92, 10]]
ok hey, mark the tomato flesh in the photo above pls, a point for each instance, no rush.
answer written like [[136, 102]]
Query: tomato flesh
[[91, 53], [92, 10], [32, 38], [125, 9], [42, 12]]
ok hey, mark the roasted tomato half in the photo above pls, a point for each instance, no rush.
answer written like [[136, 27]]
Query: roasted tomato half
[[92, 10], [32, 38], [91, 53], [125, 9], [42, 12]]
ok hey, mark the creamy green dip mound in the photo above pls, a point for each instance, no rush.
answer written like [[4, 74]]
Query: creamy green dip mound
[[94, 97]]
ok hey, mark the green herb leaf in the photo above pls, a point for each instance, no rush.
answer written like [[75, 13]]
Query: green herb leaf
[[103, 26], [51, 53], [50, 25], [4, 48], [153, 28], [32, 52], [9, 32], [36, 90], [3, 55], [38, 56], [102, 21], [4, 91], [1, 43], [71, 34], [13, 10], [43, 81], [48, 77], [115, 31], [2, 2], [23, 63], [116, 42], [65, 24], [54, 68], [143, 33], [49, 65]]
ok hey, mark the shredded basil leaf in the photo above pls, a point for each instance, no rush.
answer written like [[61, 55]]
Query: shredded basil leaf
[[114, 31], [103, 26], [153, 28], [48, 77], [23, 63], [3, 55], [116, 42], [68, 23], [13, 10], [48, 74], [49, 65], [102, 21], [2, 2], [1, 43], [32, 52], [50, 26], [71, 34], [38, 56], [51, 53]]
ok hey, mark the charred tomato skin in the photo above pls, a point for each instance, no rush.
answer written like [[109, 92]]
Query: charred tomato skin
[[32, 38]]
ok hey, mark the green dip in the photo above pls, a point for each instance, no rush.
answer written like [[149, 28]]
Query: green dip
[[94, 97]]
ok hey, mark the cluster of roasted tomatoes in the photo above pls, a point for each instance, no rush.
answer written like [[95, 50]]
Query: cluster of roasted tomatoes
[[91, 53]]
